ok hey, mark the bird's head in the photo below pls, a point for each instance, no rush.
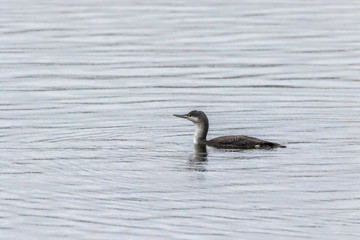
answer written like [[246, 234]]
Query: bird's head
[[193, 116]]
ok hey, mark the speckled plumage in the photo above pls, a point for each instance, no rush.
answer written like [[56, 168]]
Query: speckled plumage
[[240, 142]]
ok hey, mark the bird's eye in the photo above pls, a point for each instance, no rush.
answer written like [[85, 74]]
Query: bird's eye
[[190, 115]]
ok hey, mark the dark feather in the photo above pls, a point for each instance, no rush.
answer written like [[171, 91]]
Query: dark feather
[[240, 142]]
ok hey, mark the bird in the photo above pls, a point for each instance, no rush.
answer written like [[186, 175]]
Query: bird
[[201, 122]]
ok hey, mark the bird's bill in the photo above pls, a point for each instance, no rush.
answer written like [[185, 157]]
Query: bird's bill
[[181, 115]]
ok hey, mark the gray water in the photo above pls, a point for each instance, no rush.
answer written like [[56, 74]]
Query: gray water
[[89, 148]]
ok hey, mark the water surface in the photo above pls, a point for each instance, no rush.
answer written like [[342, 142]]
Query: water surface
[[89, 148]]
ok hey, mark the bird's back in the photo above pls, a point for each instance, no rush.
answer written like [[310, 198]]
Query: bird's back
[[241, 142]]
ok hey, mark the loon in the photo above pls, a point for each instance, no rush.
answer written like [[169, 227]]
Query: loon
[[201, 122]]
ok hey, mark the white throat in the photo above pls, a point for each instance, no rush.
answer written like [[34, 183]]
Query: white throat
[[198, 133]]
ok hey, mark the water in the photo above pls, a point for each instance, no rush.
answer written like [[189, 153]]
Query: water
[[89, 148]]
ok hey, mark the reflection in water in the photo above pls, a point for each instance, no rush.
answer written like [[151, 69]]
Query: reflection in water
[[198, 161]]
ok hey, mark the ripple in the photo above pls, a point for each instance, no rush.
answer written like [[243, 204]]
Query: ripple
[[89, 147]]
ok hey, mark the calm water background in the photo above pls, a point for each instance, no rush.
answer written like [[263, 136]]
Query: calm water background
[[89, 148]]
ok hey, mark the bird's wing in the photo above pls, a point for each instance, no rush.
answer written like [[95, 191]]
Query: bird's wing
[[240, 141], [235, 139]]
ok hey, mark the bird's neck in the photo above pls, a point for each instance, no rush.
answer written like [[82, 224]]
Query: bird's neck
[[201, 131]]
